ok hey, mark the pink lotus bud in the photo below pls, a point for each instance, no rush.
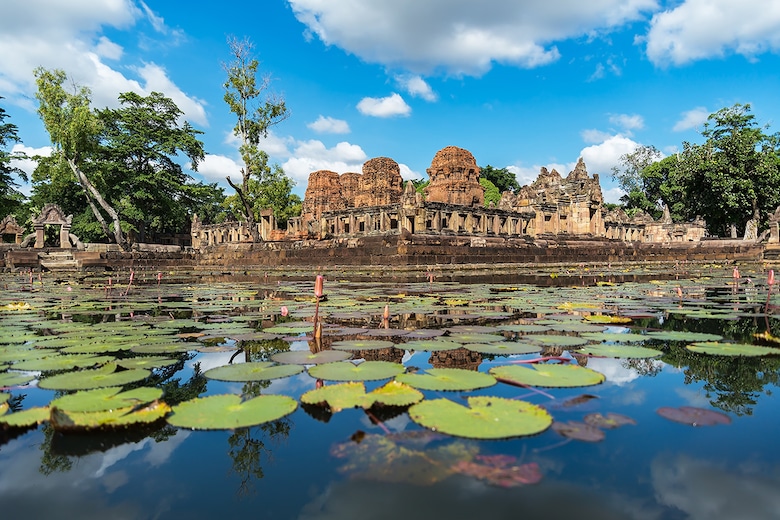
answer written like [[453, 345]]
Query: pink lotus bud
[[159, 276], [679, 292], [284, 311], [771, 278], [319, 283], [736, 273], [386, 315]]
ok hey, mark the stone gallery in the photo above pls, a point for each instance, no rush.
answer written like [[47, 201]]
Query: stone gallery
[[376, 202]]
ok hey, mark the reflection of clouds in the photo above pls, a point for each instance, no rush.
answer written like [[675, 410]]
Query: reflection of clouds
[[397, 423], [693, 397], [634, 397], [707, 492], [613, 370], [215, 359]]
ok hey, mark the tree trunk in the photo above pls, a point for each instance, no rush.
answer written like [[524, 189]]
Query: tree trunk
[[90, 188], [249, 214]]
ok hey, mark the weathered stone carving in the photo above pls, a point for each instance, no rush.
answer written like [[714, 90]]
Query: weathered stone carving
[[380, 185], [454, 178], [9, 226]]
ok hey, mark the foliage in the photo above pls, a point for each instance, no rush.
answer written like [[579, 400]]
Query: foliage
[[262, 187], [10, 199], [420, 185], [492, 195], [502, 179]]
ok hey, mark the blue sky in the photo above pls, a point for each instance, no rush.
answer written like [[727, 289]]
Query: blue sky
[[520, 83]]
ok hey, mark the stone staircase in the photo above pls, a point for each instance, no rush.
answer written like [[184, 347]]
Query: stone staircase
[[57, 261]]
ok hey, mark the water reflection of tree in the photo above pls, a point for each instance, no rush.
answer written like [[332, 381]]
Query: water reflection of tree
[[248, 451]]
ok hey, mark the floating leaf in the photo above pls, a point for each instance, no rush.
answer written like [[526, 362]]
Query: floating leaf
[[93, 378], [610, 421], [8, 379], [616, 337], [555, 340], [484, 418], [608, 320], [620, 351], [348, 371], [430, 345], [579, 431], [505, 348], [102, 399], [223, 412], [500, 474], [305, 357], [694, 416], [63, 362], [362, 344], [25, 418], [353, 395], [146, 362], [63, 420], [548, 375], [676, 335], [716, 348], [475, 338], [254, 371], [441, 379]]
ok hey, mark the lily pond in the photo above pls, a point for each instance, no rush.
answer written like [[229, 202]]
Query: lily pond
[[622, 393]]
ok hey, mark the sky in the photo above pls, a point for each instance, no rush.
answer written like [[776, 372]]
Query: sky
[[521, 84]]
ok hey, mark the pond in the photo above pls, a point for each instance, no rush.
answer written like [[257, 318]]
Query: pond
[[610, 393]]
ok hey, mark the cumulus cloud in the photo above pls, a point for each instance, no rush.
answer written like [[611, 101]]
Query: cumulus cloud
[[313, 155], [70, 36], [700, 29], [329, 125], [390, 106], [417, 87], [691, 119], [214, 168], [461, 37], [600, 158], [627, 121]]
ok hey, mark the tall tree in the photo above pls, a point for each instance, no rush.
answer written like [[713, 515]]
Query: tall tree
[[140, 145], [10, 198], [256, 111], [502, 179], [75, 132]]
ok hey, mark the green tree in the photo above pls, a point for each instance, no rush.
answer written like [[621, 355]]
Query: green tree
[[256, 111], [75, 132], [502, 179], [733, 176], [630, 175], [10, 198], [492, 195], [140, 144]]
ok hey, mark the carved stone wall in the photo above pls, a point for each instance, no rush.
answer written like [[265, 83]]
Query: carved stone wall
[[323, 193], [454, 178], [381, 183]]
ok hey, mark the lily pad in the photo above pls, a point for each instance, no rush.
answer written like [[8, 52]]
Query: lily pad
[[548, 375], [106, 375], [452, 379], [430, 345], [305, 357], [620, 351], [504, 472], [505, 348], [675, 335], [62, 362], [228, 411], [63, 420], [694, 416], [362, 344], [8, 379], [716, 348], [353, 395], [254, 371], [146, 362], [348, 371], [551, 340], [484, 418], [25, 418], [609, 421], [625, 337], [102, 399], [579, 431]]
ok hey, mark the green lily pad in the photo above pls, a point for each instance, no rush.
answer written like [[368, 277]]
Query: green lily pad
[[106, 375], [254, 371], [620, 351], [616, 337], [484, 418], [305, 357], [348, 371], [102, 399], [63, 420], [430, 345], [353, 395], [548, 375], [675, 335], [224, 412], [146, 362], [362, 344], [15, 355], [447, 379], [523, 328], [475, 338], [551, 340], [25, 418], [504, 348], [8, 379], [63, 362], [716, 348]]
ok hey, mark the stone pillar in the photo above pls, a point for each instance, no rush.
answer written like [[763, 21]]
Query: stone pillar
[[40, 236], [65, 236]]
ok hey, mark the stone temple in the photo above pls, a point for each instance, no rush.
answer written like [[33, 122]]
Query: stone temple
[[376, 202]]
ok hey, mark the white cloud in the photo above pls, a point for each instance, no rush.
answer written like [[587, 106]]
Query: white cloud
[[600, 158], [417, 87], [329, 125], [525, 175], [700, 29], [409, 174], [627, 121], [611, 195], [310, 156], [69, 36], [461, 37], [592, 135], [214, 168], [390, 106], [28, 165], [691, 119]]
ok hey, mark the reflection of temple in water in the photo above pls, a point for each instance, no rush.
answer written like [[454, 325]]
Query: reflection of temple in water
[[458, 358]]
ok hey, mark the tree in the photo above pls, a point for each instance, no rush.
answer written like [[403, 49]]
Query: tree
[[75, 133], [502, 179], [140, 143], [254, 118], [735, 173], [492, 195], [10, 198]]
